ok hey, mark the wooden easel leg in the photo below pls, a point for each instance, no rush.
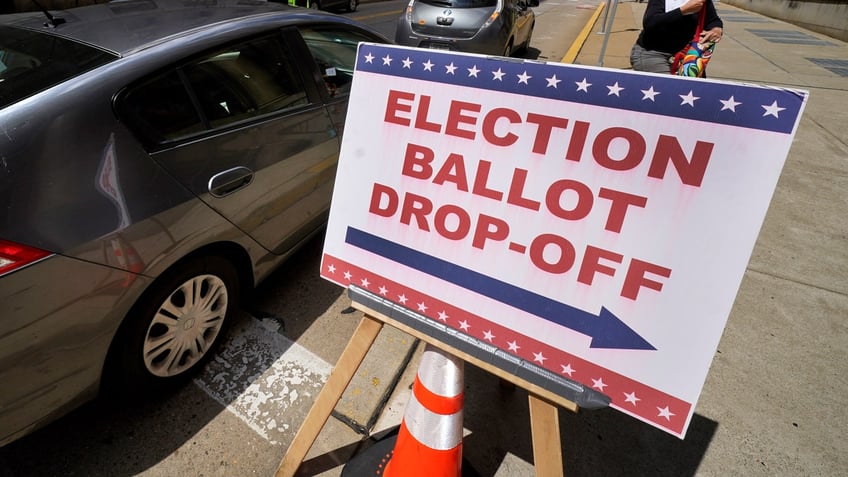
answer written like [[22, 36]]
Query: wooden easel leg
[[329, 396], [547, 446]]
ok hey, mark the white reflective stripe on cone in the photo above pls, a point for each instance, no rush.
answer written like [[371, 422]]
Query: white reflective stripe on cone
[[436, 431], [441, 373]]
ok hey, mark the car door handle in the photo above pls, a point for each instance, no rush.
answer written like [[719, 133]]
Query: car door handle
[[229, 181]]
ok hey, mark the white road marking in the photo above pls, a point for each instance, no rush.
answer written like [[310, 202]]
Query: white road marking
[[267, 380]]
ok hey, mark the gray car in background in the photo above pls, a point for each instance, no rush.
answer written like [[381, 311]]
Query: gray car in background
[[158, 159], [489, 27]]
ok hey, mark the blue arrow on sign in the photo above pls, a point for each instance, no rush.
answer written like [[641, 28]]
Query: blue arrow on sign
[[605, 329]]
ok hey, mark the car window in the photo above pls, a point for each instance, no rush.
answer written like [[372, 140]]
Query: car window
[[461, 3], [160, 109], [250, 79], [31, 61], [334, 49], [229, 85]]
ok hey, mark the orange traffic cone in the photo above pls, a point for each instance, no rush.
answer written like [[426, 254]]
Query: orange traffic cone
[[429, 441]]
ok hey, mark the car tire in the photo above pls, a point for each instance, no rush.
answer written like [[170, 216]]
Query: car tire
[[174, 328], [351, 5], [508, 50]]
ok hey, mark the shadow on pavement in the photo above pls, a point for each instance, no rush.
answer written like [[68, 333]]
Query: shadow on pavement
[[295, 294], [87, 441], [604, 442], [531, 53]]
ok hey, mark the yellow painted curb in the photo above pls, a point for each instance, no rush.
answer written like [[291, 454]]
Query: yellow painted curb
[[572, 52]]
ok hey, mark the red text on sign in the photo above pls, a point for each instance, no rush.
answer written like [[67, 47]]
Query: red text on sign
[[419, 161], [497, 126], [548, 252]]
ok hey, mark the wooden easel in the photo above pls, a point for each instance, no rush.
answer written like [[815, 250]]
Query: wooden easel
[[544, 415]]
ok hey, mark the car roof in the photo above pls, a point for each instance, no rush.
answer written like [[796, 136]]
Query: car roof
[[122, 26]]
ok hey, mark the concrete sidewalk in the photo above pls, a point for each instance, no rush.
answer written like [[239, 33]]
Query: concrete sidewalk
[[772, 403]]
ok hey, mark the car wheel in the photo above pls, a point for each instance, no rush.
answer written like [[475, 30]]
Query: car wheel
[[174, 327], [351, 5]]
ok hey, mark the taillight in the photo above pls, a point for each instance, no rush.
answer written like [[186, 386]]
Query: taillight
[[14, 256]]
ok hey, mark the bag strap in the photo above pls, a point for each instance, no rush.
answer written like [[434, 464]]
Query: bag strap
[[702, 17], [678, 57]]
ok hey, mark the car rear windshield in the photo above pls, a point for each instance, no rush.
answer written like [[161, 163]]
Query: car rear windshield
[[461, 3], [31, 62]]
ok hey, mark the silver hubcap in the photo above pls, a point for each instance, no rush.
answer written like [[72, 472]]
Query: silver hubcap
[[185, 326]]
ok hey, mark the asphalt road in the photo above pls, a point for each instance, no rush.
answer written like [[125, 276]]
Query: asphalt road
[[240, 414]]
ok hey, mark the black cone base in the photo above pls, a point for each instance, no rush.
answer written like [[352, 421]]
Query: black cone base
[[372, 461]]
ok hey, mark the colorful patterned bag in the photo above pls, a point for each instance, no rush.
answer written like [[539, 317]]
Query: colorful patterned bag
[[693, 58]]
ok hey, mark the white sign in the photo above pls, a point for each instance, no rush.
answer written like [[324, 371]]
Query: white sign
[[673, 4], [596, 223]]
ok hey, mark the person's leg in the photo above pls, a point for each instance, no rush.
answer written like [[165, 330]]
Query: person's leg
[[651, 61]]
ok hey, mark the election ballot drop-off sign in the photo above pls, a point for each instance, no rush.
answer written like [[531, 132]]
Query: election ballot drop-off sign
[[592, 222]]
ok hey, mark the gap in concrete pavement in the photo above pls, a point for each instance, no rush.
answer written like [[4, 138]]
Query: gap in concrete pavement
[[368, 393]]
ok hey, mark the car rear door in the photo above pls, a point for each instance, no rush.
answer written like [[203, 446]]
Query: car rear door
[[265, 150]]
